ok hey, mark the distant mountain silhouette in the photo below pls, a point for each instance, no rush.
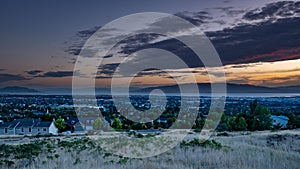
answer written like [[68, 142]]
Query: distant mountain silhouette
[[56, 90], [290, 89], [172, 89], [206, 88], [17, 89]]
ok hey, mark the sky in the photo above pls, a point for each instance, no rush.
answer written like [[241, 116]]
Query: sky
[[258, 41]]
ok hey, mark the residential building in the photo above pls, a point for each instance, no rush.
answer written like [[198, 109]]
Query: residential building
[[28, 127]]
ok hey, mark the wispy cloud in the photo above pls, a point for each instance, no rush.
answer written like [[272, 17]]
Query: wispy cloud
[[33, 72], [272, 11], [11, 77], [56, 74], [266, 34], [196, 18]]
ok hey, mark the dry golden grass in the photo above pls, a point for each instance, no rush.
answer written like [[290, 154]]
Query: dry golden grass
[[258, 150]]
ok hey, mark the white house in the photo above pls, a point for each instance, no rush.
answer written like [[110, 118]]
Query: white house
[[28, 127]]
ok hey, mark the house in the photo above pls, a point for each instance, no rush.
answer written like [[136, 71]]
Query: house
[[45, 128], [87, 122], [280, 120], [27, 127], [74, 125]]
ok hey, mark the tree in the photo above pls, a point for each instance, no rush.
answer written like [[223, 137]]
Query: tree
[[224, 124], [117, 124], [139, 126], [210, 124], [294, 121], [60, 124], [222, 127], [46, 117], [199, 123], [261, 118], [98, 123], [253, 106], [215, 116], [248, 118], [240, 124]]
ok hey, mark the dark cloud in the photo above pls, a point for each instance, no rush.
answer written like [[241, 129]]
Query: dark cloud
[[108, 69], [220, 22], [33, 72], [173, 77], [88, 33], [245, 43], [150, 69], [153, 72], [56, 74], [10, 77], [75, 44], [108, 56], [136, 42], [231, 11], [143, 41], [226, 1], [274, 10], [103, 77], [253, 43], [239, 66], [265, 41], [2, 70], [72, 60], [196, 18]]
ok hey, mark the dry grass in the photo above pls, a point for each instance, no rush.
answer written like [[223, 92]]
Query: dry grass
[[259, 150]]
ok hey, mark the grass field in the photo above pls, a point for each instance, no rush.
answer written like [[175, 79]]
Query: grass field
[[239, 150]]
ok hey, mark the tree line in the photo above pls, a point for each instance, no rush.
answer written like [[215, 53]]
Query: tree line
[[257, 118]]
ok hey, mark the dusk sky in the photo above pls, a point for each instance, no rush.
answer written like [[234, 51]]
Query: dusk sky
[[258, 41]]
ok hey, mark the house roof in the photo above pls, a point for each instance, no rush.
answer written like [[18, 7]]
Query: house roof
[[5, 125], [26, 123], [43, 124], [13, 124]]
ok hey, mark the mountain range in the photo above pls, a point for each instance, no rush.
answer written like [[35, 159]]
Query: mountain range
[[17, 89], [186, 88], [231, 88]]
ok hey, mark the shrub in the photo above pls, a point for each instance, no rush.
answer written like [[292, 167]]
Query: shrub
[[202, 143], [223, 134]]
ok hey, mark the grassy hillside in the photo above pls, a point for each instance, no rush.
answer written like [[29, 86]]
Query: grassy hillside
[[238, 150]]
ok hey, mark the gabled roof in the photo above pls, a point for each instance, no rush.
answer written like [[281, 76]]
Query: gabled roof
[[13, 124], [43, 124], [26, 122], [5, 125]]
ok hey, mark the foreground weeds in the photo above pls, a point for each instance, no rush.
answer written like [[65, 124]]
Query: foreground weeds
[[270, 150]]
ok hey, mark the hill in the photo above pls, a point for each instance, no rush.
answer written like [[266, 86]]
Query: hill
[[206, 88], [17, 89]]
